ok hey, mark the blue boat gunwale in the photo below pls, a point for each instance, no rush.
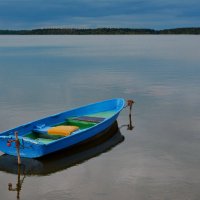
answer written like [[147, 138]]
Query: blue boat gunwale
[[7, 133]]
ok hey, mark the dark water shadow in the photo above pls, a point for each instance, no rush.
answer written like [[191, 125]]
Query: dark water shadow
[[64, 159]]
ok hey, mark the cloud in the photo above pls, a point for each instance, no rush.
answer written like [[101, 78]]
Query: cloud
[[126, 13]]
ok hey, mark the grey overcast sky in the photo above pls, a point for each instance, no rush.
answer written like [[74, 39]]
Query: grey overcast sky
[[157, 14]]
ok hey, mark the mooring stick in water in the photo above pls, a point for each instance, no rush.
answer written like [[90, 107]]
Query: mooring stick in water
[[130, 104], [19, 183], [17, 148]]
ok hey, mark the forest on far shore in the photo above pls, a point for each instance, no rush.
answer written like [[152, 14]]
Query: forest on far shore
[[101, 31]]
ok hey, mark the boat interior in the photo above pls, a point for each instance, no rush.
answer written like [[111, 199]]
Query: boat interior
[[73, 125]]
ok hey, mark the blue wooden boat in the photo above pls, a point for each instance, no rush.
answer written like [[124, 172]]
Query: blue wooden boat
[[62, 130]]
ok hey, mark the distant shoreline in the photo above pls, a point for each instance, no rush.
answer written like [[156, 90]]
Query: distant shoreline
[[103, 31]]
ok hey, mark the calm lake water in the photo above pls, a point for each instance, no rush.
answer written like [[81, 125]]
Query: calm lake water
[[158, 160]]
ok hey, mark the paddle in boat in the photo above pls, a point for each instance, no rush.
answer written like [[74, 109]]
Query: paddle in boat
[[60, 131]]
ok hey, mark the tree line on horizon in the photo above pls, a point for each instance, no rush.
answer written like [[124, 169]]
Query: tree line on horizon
[[100, 31]]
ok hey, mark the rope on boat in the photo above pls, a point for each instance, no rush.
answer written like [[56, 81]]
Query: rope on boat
[[17, 145], [129, 103]]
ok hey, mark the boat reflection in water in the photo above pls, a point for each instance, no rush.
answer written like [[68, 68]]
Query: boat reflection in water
[[66, 158]]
